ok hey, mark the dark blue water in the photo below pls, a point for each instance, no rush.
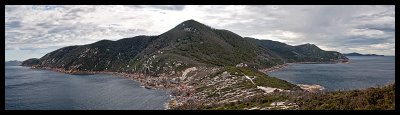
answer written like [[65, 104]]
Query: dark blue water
[[362, 72], [42, 89]]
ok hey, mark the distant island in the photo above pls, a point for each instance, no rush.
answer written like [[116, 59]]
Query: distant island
[[358, 54], [13, 63]]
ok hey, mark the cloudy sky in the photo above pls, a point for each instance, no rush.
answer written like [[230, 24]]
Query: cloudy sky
[[33, 31]]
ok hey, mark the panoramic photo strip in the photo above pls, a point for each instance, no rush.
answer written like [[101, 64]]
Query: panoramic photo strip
[[200, 57]]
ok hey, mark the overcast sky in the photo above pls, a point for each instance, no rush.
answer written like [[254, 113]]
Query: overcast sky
[[33, 31]]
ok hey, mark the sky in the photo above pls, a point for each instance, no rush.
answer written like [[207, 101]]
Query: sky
[[33, 31]]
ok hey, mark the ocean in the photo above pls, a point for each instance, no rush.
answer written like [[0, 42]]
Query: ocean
[[32, 89], [361, 73]]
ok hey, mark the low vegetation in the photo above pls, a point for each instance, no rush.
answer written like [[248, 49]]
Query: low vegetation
[[261, 79], [381, 98]]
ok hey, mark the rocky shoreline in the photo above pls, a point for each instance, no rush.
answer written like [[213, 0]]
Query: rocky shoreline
[[282, 66], [274, 68], [311, 88], [182, 91], [144, 80]]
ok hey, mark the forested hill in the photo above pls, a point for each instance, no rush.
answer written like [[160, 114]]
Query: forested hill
[[188, 44], [300, 53]]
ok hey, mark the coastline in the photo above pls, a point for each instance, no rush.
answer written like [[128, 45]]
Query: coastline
[[282, 66], [305, 87], [311, 87], [274, 68], [132, 76], [178, 90]]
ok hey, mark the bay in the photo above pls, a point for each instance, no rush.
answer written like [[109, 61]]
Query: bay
[[362, 72], [33, 89]]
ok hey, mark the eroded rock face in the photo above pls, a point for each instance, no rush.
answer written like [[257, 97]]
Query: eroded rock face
[[241, 65], [311, 88], [183, 77]]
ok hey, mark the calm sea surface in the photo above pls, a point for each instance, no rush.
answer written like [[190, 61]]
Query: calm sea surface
[[362, 72], [48, 90]]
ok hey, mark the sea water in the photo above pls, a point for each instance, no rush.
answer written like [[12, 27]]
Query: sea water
[[362, 72], [33, 89]]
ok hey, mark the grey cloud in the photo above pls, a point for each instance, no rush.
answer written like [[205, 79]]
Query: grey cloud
[[46, 25], [60, 29], [353, 42], [45, 7], [168, 7], [13, 24], [161, 7], [10, 8], [361, 40], [73, 13], [381, 27], [333, 22], [85, 9], [322, 25]]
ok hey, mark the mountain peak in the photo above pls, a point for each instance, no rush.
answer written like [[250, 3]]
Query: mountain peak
[[308, 45], [191, 21], [191, 25]]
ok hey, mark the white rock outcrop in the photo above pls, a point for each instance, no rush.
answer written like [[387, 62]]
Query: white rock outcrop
[[184, 73]]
